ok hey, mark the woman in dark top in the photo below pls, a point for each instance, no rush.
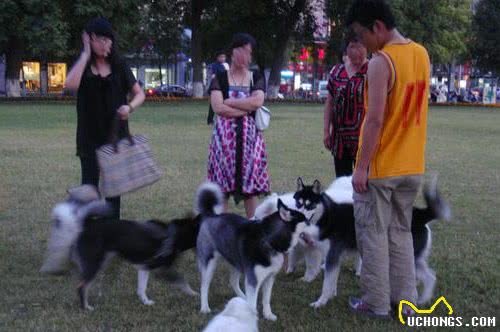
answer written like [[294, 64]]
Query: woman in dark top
[[344, 106], [103, 82], [237, 156]]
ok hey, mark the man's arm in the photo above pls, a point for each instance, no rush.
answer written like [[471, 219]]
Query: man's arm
[[378, 81]]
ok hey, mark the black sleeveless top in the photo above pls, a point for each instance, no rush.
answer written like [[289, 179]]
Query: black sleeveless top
[[98, 100]]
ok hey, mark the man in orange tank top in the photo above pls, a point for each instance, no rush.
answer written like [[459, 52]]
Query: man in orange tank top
[[390, 161]]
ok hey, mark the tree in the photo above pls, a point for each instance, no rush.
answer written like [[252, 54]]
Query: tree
[[291, 12], [196, 50], [44, 29], [272, 23], [442, 26], [162, 27], [486, 37], [336, 10], [124, 15], [24, 28]]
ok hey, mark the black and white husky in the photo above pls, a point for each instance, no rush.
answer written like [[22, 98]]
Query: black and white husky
[[333, 221], [331, 232], [82, 232], [254, 248]]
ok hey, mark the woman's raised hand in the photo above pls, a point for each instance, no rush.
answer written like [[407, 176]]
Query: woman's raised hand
[[86, 45]]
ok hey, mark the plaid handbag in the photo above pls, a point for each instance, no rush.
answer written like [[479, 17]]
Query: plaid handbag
[[127, 164]]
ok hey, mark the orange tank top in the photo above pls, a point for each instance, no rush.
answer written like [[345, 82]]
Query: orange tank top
[[401, 148]]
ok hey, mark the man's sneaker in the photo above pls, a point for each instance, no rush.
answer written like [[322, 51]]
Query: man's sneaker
[[361, 308]]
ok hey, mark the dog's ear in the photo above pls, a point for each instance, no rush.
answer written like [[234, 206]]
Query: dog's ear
[[317, 187], [300, 184], [284, 212]]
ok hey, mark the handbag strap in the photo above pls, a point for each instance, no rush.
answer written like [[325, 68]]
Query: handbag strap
[[115, 128]]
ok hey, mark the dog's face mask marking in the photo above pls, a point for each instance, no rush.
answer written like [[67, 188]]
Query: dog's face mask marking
[[289, 215], [307, 197]]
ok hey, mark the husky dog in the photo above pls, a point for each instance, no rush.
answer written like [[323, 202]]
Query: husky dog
[[82, 231], [238, 316], [253, 247], [332, 220]]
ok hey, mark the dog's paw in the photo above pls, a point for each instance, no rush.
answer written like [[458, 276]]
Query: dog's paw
[[205, 310], [319, 303], [289, 269], [89, 307], [270, 316], [308, 278], [190, 292], [147, 301]]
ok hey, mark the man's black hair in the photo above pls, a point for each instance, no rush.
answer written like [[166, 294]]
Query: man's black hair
[[366, 12]]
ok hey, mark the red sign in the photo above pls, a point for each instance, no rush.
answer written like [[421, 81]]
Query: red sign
[[304, 54], [321, 54]]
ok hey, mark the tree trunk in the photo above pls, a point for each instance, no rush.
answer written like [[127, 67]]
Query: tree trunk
[[14, 62], [451, 75], [282, 40], [277, 64], [44, 78], [161, 75], [196, 48]]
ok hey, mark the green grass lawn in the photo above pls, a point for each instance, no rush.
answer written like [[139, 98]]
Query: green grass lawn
[[38, 163]]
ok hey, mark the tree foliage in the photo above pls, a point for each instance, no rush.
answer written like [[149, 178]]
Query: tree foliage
[[162, 22], [486, 37], [442, 26]]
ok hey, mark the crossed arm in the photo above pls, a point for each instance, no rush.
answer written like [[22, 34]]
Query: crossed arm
[[235, 108]]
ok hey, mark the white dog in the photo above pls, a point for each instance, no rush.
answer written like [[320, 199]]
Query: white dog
[[238, 316]]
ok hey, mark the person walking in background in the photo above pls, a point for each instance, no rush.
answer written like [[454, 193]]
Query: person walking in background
[[344, 106], [390, 161], [102, 81], [220, 65], [237, 157]]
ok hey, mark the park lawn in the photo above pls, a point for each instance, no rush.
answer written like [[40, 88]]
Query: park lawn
[[38, 163]]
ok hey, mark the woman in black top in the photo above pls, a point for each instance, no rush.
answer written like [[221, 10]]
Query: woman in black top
[[102, 81]]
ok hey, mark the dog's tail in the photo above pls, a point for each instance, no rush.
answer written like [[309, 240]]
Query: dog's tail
[[437, 206], [209, 199], [68, 221]]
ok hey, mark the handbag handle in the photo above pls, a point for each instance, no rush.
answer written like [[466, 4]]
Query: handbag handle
[[115, 128]]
